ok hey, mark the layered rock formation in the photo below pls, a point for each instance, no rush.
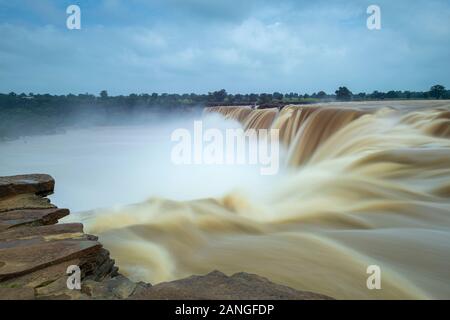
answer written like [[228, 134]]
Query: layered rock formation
[[35, 253]]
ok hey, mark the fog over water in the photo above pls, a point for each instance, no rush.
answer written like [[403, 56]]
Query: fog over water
[[102, 166]]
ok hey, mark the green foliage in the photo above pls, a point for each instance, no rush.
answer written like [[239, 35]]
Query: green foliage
[[104, 94], [437, 91], [22, 115], [343, 94]]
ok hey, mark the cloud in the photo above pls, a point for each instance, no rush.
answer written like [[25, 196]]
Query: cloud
[[243, 46]]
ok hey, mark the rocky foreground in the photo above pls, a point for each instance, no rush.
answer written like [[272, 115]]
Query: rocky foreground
[[36, 251]]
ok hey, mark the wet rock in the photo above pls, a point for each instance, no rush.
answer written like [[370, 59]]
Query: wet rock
[[39, 184], [216, 285], [35, 252], [57, 290], [24, 256], [41, 278], [16, 294], [24, 201], [98, 265], [47, 230], [34, 217], [118, 287]]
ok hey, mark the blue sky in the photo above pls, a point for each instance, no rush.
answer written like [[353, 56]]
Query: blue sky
[[177, 46]]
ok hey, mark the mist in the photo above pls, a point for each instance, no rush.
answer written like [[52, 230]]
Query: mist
[[98, 166]]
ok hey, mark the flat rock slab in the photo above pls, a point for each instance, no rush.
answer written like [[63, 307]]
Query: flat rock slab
[[16, 294], [41, 277], [218, 286], [24, 201], [34, 217], [44, 231], [40, 184], [19, 257]]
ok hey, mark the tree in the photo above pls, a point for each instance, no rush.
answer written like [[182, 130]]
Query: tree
[[376, 95], [104, 94], [321, 94], [392, 94], [343, 94], [437, 91], [277, 96], [219, 96], [407, 94], [265, 98], [446, 94], [253, 97], [361, 96]]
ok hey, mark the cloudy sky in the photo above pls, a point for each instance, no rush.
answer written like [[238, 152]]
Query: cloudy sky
[[177, 46]]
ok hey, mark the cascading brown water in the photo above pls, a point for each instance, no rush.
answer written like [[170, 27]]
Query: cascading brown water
[[367, 185], [235, 113]]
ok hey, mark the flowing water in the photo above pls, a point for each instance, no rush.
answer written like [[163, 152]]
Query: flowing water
[[364, 184]]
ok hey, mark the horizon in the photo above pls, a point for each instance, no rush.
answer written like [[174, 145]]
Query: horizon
[[299, 92]]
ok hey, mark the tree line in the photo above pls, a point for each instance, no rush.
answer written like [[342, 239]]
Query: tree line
[[25, 114]]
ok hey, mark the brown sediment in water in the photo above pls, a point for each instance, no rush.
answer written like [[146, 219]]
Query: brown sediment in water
[[368, 184]]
